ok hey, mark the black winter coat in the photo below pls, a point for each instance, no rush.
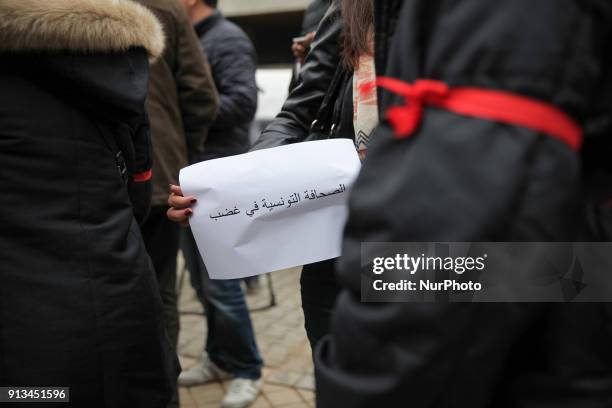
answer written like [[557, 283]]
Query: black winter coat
[[233, 63], [79, 304], [468, 179]]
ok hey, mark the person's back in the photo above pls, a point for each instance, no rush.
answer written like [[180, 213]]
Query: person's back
[[233, 62], [78, 307], [471, 176]]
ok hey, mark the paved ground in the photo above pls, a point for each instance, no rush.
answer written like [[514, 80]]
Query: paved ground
[[288, 378]]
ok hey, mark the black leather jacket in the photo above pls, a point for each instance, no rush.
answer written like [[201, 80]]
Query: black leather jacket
[[324, 94]]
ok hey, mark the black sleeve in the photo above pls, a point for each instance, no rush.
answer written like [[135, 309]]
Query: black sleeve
[[293, 123], [133, 136], [140, 178]]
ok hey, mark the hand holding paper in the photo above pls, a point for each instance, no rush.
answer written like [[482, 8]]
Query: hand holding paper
[[271, 209]]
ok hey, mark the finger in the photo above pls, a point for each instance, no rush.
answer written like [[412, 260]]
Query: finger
[[298, 49], [176, 190], [310, 38], [176, 215], [180, 216], [180, 202]]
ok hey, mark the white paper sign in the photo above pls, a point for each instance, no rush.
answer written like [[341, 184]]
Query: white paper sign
[[271, 209]]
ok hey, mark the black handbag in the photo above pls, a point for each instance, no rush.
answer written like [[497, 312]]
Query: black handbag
[[328, 118]]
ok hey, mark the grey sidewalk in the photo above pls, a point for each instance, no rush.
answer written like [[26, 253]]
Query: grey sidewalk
[[288, 374]]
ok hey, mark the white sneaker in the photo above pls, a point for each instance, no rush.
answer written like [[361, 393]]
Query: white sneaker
[[241, 393], [204, 372]]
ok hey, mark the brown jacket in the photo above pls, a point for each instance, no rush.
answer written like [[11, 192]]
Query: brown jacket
[[182, 100]]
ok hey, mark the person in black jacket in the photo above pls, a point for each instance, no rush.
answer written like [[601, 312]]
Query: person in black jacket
[[459, 178], [322, 106], [79, 304], [313, 107]]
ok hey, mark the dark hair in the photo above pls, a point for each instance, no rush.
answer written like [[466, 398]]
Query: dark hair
[[211, 3], [358, 19]]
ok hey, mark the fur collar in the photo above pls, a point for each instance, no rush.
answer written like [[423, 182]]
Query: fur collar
[[78, 25]]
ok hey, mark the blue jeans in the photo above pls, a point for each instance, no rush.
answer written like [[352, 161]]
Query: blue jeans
[[230, 342]]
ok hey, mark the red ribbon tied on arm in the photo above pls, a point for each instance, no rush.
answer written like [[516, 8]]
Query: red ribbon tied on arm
[[406, 118], [487, 104]]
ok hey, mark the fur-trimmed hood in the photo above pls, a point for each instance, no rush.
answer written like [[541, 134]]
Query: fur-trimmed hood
[[78, 25]]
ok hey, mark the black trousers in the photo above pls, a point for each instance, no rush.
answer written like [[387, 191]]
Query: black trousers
[[161, 237], [319, 292]]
